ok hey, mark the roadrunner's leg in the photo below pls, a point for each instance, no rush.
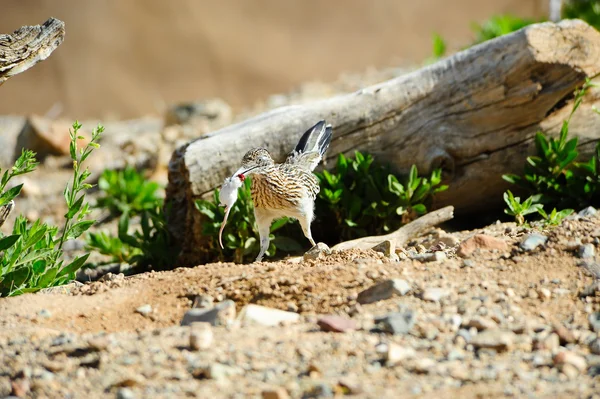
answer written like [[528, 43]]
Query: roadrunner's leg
[[305, 218], [263, 221]]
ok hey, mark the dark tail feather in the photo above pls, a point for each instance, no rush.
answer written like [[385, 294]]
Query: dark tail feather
[[317, 138]]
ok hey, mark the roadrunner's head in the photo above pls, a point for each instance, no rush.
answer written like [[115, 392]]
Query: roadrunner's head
[[253, 161]]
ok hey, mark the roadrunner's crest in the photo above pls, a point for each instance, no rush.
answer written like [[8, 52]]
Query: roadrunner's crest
[[286, 189]]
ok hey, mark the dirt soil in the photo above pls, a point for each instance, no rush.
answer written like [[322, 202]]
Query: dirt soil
[[515, 322]]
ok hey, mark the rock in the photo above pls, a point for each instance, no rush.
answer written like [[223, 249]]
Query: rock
[[193, 113], [125, 393], [333, 323], [481, 323], [594, 320], [45, 313], [587, 212], [595, 346], [564, 334], [434, 294], [438, 256], [586, 251], [550, 342], [544, 293], [384, 290], [592, 268], [532, 241], [317, 251], [424, 365], [397, 323], [277, 393], [203, 301], [395, 354], [222, 314], [590, 290], [201, 336], [569, 358], [48, 137], [499, 340], [448, 240], [386, 247], [218, 371], [267, 316], [480, 242], [144, 310]]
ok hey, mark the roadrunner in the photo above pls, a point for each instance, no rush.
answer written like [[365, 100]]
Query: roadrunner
[[286, 189]]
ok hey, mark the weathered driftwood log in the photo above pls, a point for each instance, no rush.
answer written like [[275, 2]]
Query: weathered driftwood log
[[29, 45], [474, 114], [404, 234]]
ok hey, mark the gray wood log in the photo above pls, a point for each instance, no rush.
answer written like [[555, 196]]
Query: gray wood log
[[29, 45], [473, 114]]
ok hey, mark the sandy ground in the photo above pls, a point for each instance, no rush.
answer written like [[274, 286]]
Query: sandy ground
[[533, 306]]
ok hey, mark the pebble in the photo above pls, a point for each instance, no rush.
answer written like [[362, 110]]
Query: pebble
[[570, 358], [595, 346], [437, 256], [586, 251], [144, 310], [201, 336], [564, 334], [277, 393], [499, 340], [550, 343], [222, 314], [397, 323], [434, 294], [395, 354], [532, 241], [481, 323], [125, 393], [321, 249], [45, 313], [384, 290], [334, 323], [218, 371], [544, 293], [267, 316], [386, 247], [480, 242], [586, 212], [594, 320]]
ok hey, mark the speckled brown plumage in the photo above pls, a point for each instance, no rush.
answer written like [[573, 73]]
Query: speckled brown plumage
[[287, 189], [283, 186]]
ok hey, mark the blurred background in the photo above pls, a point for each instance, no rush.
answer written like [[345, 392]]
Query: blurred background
[[127, 59]]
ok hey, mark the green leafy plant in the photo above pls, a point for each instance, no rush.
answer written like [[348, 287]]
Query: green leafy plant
[[32, 256], [520, 209], [126, 191], [128, 194], [553, 172], [555, 217], [107, 244], [240, 236], [498, 26], [361, 198], [439, 46], [587, 10]]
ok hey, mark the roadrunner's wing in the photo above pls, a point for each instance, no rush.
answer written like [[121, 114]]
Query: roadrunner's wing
[[312, 146]]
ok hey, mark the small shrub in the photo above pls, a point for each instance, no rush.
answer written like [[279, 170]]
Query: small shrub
[[555, 217], [240, 236], [361, 198], [126, 191], [553, 172], [439, 46], [587, 10], [32, 256], [520, 209], [498, 26], [128, 194]]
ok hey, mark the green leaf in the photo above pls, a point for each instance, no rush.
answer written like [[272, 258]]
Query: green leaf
[[75, 207], [9, 195], [8, 241], [79, 228], [14, 280], [419, 209], [73, 266]]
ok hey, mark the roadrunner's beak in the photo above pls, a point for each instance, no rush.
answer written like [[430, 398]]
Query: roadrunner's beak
[[243, 172]]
